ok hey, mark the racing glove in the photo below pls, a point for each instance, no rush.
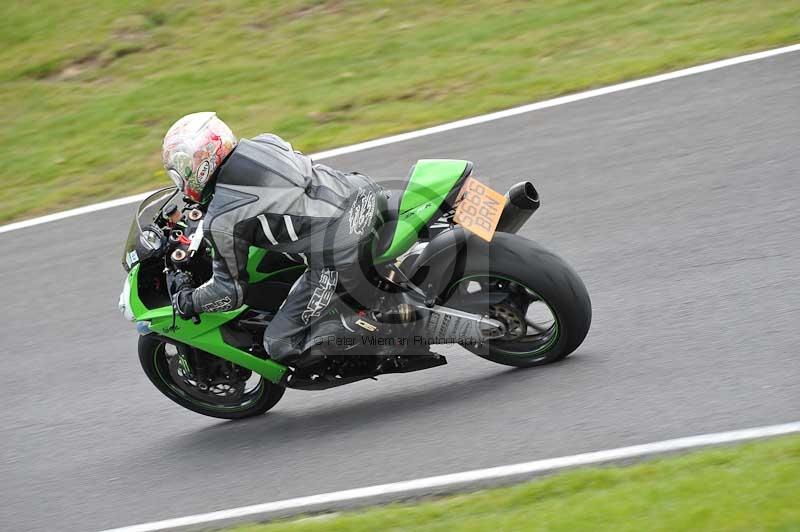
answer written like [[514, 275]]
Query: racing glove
[[179, 281], [181, 287], [182, 301]]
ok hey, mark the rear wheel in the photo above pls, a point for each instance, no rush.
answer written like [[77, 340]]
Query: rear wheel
[[541, 301], [204, 383]]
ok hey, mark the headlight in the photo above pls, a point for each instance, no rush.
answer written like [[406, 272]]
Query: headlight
[[150, 240]]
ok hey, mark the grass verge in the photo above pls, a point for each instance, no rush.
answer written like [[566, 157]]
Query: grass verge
[[748, 487], [88, 88]]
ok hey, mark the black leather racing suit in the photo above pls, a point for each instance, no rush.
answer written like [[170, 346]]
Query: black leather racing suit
[[268, 195]]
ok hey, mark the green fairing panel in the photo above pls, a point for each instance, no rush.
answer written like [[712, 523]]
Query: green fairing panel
[[428, 186], [206, 334], [256, 255]]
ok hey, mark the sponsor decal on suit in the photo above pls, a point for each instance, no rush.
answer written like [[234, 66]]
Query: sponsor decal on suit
[[322, 295], [218, 305], [361, 212]]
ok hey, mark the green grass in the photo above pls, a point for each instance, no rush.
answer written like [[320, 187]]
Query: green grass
[[749, 487], [88, 88]]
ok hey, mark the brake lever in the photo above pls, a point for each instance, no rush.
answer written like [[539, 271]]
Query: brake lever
[[197, 239]]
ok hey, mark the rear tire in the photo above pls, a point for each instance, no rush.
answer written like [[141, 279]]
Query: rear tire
[[152, 356], [524, 262]]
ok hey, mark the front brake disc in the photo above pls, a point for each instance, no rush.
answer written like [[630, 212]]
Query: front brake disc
[[219, 389]]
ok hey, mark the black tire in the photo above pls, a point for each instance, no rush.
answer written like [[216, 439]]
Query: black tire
[[525, 262], [152, 356]]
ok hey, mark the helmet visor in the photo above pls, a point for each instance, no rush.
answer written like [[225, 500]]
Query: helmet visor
[[176, 178]]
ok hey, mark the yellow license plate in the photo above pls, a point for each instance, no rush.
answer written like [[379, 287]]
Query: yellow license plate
[[478, 208]]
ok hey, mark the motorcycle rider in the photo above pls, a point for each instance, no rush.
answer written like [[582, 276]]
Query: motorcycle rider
[[260, 192]]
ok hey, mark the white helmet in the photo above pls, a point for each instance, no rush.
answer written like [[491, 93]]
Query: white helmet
[[194, 147]]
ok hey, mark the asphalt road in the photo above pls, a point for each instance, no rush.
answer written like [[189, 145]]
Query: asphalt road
[[677, 204]]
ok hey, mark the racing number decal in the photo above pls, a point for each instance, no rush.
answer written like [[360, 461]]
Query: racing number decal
[[479, 208]]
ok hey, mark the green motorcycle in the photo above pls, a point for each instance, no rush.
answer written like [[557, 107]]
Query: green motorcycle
[[447, 263]]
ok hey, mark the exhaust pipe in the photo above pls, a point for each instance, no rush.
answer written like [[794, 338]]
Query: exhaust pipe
[[522, 200]]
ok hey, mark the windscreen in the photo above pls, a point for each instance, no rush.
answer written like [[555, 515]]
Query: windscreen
[[139, 247]]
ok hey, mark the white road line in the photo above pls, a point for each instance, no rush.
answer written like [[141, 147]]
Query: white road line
[[448, 127], [330, 500], [74, 212]]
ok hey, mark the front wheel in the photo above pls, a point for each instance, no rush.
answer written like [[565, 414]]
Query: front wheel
[[204, 383], [541, 301]]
